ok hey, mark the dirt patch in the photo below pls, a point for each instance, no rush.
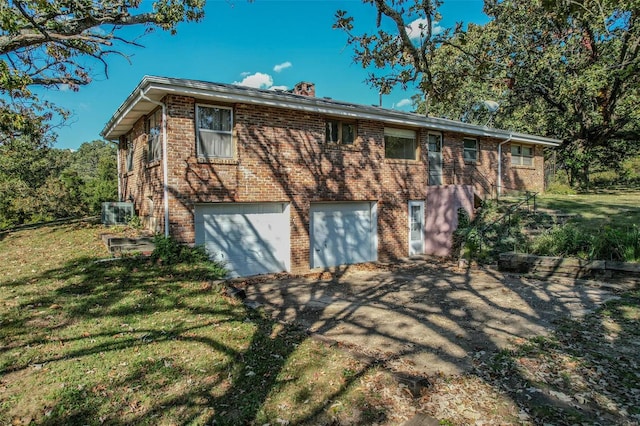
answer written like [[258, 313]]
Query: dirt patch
[[425, 317], [469, 346]]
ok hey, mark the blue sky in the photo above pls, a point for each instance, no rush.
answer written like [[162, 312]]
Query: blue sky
[[266, 42]]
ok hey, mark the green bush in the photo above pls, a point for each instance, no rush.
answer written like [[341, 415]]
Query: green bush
[[631, 169], [604, 178], [561, 241], [603, 244], [170, 252], [486, 236], [134, 221], [560, 188]]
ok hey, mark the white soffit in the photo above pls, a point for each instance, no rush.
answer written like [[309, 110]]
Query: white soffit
[[156, 88]]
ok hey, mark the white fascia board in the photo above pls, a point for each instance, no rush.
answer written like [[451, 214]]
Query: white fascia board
[[158, 87], [122, 113]]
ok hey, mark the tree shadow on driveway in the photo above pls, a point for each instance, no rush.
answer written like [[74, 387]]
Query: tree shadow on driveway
[[425, 317]]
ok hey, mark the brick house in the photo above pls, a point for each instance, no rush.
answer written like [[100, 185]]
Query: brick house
[[277, 181]]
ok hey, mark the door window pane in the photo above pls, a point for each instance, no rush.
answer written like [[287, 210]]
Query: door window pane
[[435, 143], [416, 223]]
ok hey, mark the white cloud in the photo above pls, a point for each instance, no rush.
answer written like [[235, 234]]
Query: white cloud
[[282, 66], [403, 103], [244, 74], [257, 81], [417, 29]]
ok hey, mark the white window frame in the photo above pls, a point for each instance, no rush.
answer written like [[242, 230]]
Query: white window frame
[[519, 158], [339, 137], [473, 150], [154, 130], [407, 134], [199, 152]]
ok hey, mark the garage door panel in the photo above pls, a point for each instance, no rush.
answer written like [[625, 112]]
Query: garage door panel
[[342, 233], [251, 238]]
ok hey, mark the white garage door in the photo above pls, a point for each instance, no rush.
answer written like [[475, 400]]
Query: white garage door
[[251, 239], [343, 233]]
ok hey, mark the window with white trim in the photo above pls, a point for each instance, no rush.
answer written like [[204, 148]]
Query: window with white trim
[[153, 129], [214, 127], [521, 155], [128, 143], [470, 152], [400, 144], [340, 132]]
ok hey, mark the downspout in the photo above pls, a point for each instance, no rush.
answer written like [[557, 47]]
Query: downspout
[[165, 161], [500, 164], [117, 144], [118, 168]]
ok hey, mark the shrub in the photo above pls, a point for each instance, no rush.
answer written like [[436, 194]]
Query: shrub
[[134, 221], [560, 188], [631, 169], [603, 244], [605, 178], [486, 236], [170, 252]]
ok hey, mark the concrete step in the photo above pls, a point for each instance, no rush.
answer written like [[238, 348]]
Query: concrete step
[[118, 245]]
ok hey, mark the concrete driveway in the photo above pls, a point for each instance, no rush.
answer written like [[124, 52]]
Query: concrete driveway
[[425, 316]]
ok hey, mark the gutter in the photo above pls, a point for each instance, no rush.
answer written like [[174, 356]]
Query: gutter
[[165, 161], [500, 164], [217, 92]]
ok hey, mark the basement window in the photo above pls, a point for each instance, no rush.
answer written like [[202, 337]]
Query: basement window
[[153, 130], [521, 155], [340, 132], [214, 126], [400, 144]]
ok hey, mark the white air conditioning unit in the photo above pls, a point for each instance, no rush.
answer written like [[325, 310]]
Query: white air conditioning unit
[[117, 213]]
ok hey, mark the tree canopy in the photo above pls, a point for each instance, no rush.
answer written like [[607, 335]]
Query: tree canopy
[[401, 47], [58, 42], [563, 68], [43, 183]]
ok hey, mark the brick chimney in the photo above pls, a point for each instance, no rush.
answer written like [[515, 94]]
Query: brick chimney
[[305, 89]]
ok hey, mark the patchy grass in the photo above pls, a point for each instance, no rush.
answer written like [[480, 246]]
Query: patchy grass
[[586, 372], [132, 342], [617, 208]]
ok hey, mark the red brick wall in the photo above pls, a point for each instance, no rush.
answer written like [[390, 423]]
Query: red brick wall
[[518, 178], [143, 184], [483, 174], [281, 156]]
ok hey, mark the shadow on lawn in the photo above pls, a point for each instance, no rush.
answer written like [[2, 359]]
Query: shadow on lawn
[[129, 342]]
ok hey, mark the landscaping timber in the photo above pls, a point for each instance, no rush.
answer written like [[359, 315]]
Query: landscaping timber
[[548, 266]]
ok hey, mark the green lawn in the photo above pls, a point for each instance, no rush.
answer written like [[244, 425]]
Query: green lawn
[[618, 208], [130, 342]]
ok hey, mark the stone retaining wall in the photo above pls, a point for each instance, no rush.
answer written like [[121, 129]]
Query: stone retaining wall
[[546, 267]]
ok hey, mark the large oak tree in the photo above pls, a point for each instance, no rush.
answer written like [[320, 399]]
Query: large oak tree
[[564, 68], [51, 43]]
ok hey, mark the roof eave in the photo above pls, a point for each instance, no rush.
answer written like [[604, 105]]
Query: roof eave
[[158, 87]]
